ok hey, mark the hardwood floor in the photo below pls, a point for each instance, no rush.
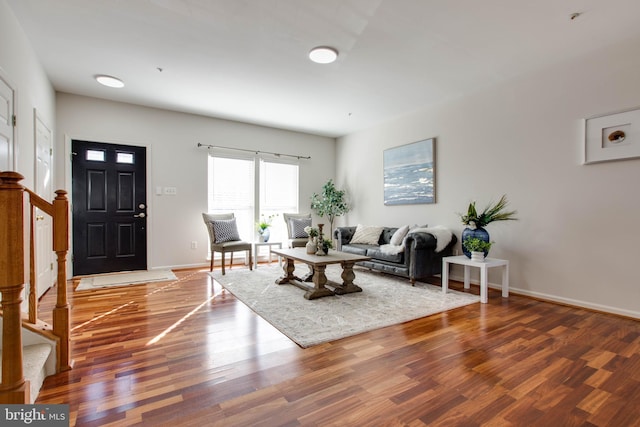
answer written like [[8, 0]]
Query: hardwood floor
[[186, 353]]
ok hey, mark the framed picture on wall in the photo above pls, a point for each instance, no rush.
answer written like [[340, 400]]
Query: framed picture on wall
[[410, 173], [612, 137]]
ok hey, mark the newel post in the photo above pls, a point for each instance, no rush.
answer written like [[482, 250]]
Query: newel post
[[61, 322], [14, 388]]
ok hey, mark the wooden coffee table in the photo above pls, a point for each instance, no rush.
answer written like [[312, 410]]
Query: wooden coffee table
[[318, 264]]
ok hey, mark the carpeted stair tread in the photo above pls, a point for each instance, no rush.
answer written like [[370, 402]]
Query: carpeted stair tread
[[35, 356]]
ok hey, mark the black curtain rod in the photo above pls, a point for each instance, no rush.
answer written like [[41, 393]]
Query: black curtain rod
[[254, 151]]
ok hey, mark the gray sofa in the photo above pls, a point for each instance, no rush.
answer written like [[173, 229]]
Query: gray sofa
[[418, 260]]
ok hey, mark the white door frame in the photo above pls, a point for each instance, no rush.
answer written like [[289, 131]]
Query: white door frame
[[68, 138], [7, 128], [44, 262]]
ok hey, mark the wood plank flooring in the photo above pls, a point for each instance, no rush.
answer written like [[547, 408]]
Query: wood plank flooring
[[186, 353]]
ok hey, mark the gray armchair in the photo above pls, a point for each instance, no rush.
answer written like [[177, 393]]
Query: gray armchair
[[223, 236], [296, 242]]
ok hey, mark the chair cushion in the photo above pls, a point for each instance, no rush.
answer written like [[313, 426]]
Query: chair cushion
[[225, 230], [297, 227], [366, 235]]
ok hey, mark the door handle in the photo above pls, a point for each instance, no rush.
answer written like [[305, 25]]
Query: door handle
[[39, 217], [140, 215]]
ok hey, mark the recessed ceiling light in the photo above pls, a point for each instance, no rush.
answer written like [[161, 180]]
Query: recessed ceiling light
[[323, 54], [109, 81]]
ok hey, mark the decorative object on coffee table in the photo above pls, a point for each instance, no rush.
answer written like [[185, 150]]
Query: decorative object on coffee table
[[311, 246], [476, 222], [326, 244], [319, 249]]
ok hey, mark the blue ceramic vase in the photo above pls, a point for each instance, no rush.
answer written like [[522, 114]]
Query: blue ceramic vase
[[479, 233]]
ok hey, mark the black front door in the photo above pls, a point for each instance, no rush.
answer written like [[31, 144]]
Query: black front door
[[109, 207]]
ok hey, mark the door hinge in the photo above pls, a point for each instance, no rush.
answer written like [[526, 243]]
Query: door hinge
[[14, 120], [51, 266], [51, 151]]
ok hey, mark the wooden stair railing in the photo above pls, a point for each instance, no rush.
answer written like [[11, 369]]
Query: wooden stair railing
[[14, 388]]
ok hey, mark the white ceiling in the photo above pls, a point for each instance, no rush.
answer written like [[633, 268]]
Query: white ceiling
[[247, 60]]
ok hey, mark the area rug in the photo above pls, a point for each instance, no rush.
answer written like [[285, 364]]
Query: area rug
[[124, 279], [385, 300]]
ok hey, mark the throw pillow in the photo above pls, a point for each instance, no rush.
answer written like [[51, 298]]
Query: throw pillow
[[366, 235], [398, 236], [297, 227], [225, 230]]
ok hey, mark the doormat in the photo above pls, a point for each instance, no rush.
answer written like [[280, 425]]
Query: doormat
[[124, 279]]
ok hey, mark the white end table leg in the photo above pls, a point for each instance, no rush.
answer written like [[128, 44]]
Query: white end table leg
[[467, 279], [445, 276], [484, 273], [505, 281], [255, 257]]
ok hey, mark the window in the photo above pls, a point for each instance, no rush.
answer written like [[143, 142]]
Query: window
[[96, 155], [251, 187], [124, 157], [278, 194], [231, 189]]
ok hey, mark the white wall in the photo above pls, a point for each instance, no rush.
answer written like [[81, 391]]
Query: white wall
[[175, 161], [577, 230], [21, 68]]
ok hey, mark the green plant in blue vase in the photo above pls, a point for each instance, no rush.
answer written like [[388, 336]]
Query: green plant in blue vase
[[476, 222]]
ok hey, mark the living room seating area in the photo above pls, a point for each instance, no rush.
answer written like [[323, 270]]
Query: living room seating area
[[412, 252]]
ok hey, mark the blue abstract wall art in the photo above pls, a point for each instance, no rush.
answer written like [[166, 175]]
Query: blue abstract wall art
[[409, 173]]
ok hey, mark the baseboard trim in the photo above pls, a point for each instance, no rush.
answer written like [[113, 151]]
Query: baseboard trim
[[180, 266], [559, 300]]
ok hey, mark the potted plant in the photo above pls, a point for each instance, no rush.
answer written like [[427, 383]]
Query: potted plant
[[330, 203], [263, 225], [326, 245], [477, 247], [476, 222]]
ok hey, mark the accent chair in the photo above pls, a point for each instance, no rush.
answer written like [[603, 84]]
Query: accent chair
[[295, 223], [223, 237]]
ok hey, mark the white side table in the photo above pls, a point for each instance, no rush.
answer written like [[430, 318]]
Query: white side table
[[256, 245], [484, 268]]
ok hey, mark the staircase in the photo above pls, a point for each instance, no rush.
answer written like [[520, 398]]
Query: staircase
[[31, 349], [39, 361]]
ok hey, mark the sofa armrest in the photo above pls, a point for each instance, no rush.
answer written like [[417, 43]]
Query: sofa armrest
[[422, 258], [420, 240], [343, 236]]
